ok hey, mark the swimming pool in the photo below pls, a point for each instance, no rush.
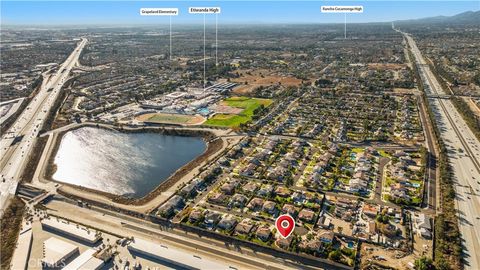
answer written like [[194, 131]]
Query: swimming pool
[[204, 111]]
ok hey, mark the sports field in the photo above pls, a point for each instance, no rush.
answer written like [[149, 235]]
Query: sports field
[[167, 118], [234, 120]]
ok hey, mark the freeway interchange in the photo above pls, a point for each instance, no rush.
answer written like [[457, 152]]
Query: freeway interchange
[[463, 150], [18, 142]]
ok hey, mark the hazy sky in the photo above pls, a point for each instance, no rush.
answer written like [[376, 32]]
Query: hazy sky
[[127, 12]]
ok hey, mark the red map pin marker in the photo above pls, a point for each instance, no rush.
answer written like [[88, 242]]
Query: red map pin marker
[[285, 225]]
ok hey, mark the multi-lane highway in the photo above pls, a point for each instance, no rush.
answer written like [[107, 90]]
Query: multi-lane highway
[[464, 155], [16, 145]]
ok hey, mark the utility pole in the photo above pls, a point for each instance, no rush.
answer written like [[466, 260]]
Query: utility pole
[[204, 56], [170, 37]]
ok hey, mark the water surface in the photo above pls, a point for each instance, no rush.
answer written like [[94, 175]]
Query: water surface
[[130, 164]]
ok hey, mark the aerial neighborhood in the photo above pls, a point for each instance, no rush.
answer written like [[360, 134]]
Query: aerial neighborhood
[[123, 151]]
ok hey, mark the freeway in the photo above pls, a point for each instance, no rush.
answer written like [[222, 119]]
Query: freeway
[[16, 145], [464, 154]]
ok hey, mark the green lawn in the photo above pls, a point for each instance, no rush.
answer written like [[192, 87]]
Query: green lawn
[[416, 200], [383, 153], [357, 150], [231, 120]]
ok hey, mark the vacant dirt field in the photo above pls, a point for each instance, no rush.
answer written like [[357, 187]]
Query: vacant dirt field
[[386, 66], [244, 89], [473, 106], [405, 91], [261, 78], [389, 258]]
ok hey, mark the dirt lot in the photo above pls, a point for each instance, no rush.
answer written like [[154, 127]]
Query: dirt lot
[[382, 256], [261, 77], [386, 66], [473, 106], [338, 223], [422, 247], [405, 91], [244, 89]]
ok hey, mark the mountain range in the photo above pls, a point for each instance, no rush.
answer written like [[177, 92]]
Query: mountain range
[[468, 17]]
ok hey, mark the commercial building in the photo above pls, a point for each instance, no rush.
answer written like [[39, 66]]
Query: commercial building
[[71, 229], [56, 252], [85, 261]]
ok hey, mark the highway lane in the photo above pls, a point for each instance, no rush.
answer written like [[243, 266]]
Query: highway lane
[[20, 126], [17, 143], [464, 154]]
